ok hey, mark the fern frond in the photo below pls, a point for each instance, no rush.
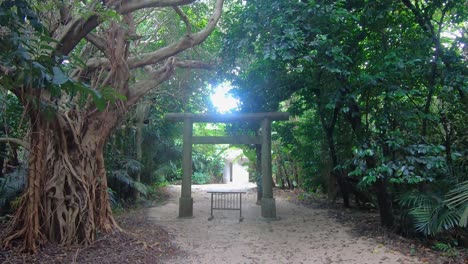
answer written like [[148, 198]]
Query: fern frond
[[133, 166], [122, 177], [141, 188]]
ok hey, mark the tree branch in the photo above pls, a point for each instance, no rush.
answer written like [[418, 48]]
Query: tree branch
[[97, 41], [186, 42], [16, 141], [125, 7], [420, 18], [74, 32], [184, 18], [140, 88], [157, 77], [194, 64], [80, 27]]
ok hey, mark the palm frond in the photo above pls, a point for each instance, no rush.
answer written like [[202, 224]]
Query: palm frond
[[140, 187], [418, 199], [458, 199], [447, 219], [124, 178], [422, 220], [133, 166], [429, 212], [459, 195], [464, 218]]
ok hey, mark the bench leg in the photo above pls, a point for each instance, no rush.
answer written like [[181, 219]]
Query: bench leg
[[240, 208], [211, 217]]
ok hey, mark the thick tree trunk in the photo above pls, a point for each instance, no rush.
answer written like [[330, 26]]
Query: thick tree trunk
[[337, 174], [328, 125], [66, 199], [383, 199]]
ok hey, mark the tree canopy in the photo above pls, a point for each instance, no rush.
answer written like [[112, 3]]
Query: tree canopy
[[378, 87]]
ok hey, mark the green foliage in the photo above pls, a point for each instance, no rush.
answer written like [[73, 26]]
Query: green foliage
[[125, 183], [169, 172], [458, 200], [157, 192], [12, 123], [429, 212], [448, 249], [11, 186], [207, 167], [415, 164], [378, 96], [200, 178], [26, 48]]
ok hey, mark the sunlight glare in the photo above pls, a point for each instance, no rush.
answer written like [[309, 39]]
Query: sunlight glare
[[222, 100]]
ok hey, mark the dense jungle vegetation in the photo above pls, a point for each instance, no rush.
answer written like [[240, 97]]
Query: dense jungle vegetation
[[377, 91]]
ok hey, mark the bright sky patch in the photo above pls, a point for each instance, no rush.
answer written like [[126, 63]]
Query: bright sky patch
[[222, 100]]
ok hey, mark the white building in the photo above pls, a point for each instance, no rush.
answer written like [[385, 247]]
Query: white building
[[235, 168]]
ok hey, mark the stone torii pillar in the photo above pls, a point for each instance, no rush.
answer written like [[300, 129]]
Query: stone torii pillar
[[268, 202], [186, 201]]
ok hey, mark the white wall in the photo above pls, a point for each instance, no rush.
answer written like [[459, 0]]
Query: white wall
[[226, 172], [240, 173]]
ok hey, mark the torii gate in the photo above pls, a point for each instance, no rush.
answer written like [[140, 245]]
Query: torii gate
[[186, 201]]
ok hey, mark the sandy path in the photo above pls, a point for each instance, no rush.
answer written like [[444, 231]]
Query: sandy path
[[302, 235]]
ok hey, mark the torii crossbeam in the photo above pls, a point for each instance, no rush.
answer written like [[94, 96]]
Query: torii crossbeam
[[186, 200]]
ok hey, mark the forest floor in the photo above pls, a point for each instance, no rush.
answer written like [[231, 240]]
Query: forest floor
[[142, 241], [308, 231]]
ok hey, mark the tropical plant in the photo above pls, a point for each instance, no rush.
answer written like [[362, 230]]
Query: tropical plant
[[207, 167], [457, 199], [371, 107], [11, 186], [448, 249], [200, 178], [429, 212], [122, 182]]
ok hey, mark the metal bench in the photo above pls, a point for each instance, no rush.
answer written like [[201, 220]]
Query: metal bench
[[226, 200]]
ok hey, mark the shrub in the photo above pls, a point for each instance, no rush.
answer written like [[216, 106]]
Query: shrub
[[200, 178]]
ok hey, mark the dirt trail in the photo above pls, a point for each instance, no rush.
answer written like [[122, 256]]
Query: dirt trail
[[302, 235]]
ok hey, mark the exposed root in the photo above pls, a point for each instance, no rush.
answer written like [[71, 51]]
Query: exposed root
[[66, 200]]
